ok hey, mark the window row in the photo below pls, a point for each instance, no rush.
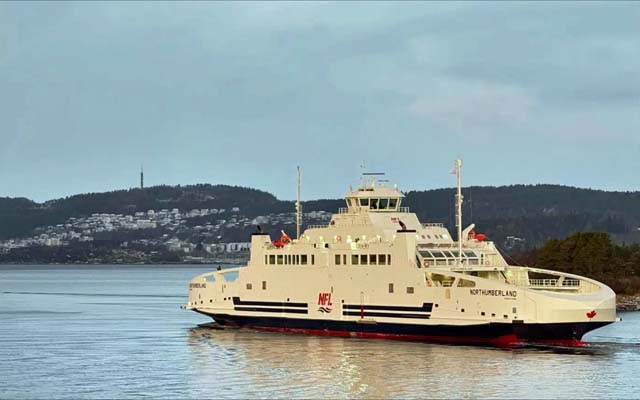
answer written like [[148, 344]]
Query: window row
[[289, 259], [363, 259], [339, 259], [375, 204]]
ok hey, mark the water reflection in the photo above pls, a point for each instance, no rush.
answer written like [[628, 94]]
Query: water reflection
[[277, 365], [328, 366]]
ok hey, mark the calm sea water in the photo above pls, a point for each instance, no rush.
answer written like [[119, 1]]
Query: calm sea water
[[118, 332]]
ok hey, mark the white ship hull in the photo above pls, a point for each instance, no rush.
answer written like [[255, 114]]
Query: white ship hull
[[362, 276], [325, 301]]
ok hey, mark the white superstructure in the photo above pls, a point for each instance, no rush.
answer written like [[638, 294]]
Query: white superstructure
[[376, 271]]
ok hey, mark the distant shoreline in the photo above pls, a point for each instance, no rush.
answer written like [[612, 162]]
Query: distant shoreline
[[226, 262]]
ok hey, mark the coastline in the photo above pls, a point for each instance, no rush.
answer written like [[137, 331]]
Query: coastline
[[628, 302], [226, 261]]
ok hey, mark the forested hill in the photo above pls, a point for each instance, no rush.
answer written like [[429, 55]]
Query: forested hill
[[534, 213]]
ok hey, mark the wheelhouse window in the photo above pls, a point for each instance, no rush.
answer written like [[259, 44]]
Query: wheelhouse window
[[363, 259], [354, 259], [303, 259], [272, 259], [338, 259], [364, 202]]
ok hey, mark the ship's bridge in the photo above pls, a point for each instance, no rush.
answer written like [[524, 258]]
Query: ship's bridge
[[375, 198]]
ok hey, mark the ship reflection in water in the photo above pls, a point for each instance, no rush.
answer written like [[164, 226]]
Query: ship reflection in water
[[257, 364]]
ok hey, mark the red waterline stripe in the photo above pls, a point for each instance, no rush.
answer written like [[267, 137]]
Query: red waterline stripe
[[561, 342], [505, 340]]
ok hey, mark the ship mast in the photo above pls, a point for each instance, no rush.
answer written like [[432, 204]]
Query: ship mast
[[458, 170], [298, 209]]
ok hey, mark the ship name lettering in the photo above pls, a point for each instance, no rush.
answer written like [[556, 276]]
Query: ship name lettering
[[493, 292], [197, 285]]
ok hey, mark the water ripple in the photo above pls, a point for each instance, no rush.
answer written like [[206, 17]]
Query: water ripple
[[58, 344]]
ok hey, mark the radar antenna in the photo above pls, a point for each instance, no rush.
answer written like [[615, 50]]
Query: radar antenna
[[373, 176]]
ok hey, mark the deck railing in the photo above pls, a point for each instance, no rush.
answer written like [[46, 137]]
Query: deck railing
[[554, 283], [345, 210], [550, 284]]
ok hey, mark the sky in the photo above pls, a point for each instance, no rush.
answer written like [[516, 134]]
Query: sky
[[242, 93]]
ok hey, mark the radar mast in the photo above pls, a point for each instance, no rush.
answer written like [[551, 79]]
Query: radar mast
[[458, 171], [298, 208]]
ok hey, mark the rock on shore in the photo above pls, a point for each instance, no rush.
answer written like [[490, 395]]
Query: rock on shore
[[628, 303]]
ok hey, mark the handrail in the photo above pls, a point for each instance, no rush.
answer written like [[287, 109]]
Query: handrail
[[554, 282], [345, 210], [561, 283]]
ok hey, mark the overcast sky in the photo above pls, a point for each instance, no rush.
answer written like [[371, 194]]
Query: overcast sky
[[241, 93]]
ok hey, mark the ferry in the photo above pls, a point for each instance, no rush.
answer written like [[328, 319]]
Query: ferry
[[376, 271]]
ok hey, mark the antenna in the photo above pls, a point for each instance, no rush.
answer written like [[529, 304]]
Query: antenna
[[458, 170], [298, 208], [373, 176], [141, 176]]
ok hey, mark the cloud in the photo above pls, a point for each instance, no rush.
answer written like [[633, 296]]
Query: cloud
[[472, 103], [238, 93]]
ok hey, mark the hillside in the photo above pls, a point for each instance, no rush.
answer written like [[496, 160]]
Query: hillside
[[18, 217], [531, 213]]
